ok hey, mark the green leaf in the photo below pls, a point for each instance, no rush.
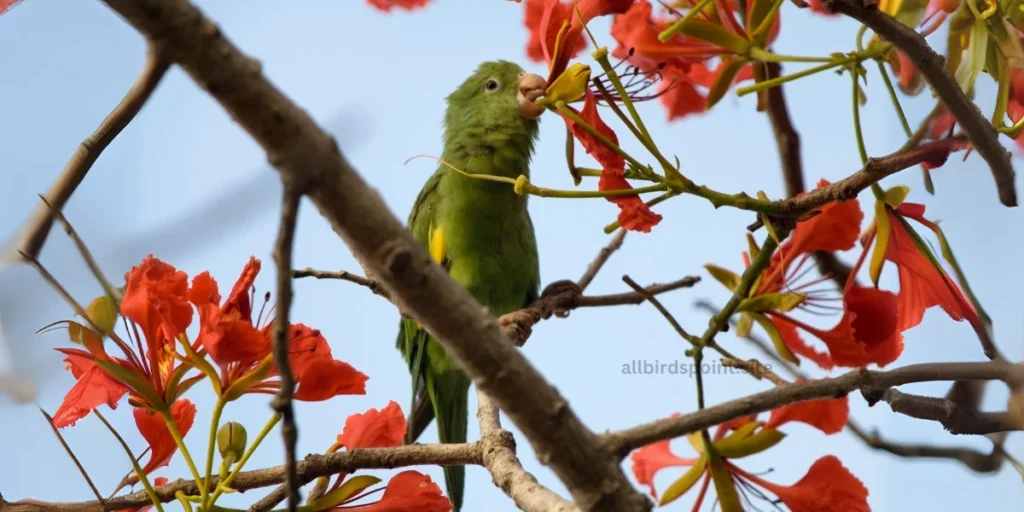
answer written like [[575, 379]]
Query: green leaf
[[716, 35], [350, 488], [781, 302], [883, 230], [776, 337], [730, 279], [743, 325], [103, 312], [895, 196], [685, 482], [729, 71], [751, 445], [728, 498]]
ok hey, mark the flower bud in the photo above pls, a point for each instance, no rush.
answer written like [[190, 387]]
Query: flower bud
[[231, 439]]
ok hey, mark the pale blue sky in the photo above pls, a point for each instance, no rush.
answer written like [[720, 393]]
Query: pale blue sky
[[67, 63]]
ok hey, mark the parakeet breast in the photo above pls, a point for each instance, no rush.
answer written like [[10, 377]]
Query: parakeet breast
[[489, 239]]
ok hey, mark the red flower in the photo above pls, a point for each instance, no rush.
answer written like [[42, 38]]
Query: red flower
[[387, 5], [244, 351], [827, 485], [633, 213], [154, 430], [829, 415], [92, 389], [1015, 107], [156, 298], [408, 491], [149, 371], [374, 429], [653, 458], [682, 59], [922, 284], [553, 15], [543, 19]]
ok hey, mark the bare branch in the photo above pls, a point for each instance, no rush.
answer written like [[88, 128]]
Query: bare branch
[[955, 419], [933, 66], [499, 457], [302, 151], [622, 442], [32, 236], [81, 469], [283, 402], [602, 258], [374, 286], [755, 369], [873, 171], [311, 467]]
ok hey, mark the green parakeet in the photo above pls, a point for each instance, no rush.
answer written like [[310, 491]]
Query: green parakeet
[[478, 230]]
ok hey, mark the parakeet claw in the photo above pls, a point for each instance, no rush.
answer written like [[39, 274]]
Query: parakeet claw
[[569, 293]]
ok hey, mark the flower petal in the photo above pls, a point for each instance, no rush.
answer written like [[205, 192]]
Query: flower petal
[[374, 429], [826, 486], [409, 491], [650, 459], [328, 378], [868, 332], [93, 389], [388, 5], [157, 299], [834, 229], [829, 415], [797, 345], [154, 430], [922, 284]]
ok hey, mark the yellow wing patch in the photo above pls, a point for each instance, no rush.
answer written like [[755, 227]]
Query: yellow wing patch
[[437, 249]]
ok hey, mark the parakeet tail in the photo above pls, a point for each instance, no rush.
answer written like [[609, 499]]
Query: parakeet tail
[[449, 394]]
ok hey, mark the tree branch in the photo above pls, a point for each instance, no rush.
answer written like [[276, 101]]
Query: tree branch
[[791, 159], [602, 258], [874, 170], [499, 457], [301, 150], [311, 467], [32, 235], [283, 402], [624, 441], [373, 286], [932, 65], [955, 419]]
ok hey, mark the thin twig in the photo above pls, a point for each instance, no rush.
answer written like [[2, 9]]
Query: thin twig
[[620, 299], [663, 310], [755, 369], [112, 293], [283, 402], [33, 234], [933, 66], [374, 286], [602, 258], [81, 469]]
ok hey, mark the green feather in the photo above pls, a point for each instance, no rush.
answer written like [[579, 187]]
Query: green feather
[[487, 237]]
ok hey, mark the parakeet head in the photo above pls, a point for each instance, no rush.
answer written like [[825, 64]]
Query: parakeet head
[[498, 98]]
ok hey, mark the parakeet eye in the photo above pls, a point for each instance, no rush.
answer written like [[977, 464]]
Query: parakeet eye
[[491, 85]]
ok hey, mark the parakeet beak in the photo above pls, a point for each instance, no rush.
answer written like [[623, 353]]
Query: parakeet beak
[[531, 87]]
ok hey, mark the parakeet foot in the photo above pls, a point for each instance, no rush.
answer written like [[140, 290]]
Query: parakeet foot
[[568, 294]]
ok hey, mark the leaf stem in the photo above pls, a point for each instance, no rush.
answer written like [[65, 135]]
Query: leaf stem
[[135, 463], [218, 409], [172, 427], [224, 484]]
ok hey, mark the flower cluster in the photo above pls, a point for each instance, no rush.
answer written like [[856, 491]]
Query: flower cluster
[[155, 363], [826, 486], [873, 320]]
